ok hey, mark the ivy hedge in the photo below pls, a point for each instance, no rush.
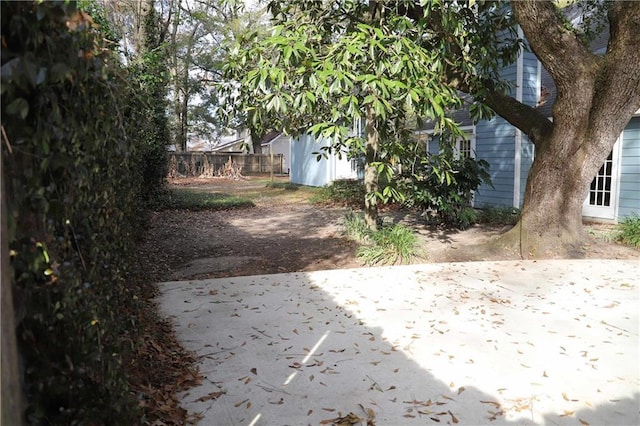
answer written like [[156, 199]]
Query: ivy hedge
[[81, 152]]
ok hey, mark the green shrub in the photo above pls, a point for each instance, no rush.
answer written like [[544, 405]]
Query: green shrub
[[347, 192], [499, 215], [629, 230], [186, 199], [442, 187], [390, 244]]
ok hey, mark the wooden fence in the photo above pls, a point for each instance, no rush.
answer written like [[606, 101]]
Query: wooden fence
[[209, 164]]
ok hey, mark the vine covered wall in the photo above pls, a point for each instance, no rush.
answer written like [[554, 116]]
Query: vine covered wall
[[72, 148]]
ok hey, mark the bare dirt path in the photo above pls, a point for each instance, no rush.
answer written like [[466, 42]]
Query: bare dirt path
[[284, 232]]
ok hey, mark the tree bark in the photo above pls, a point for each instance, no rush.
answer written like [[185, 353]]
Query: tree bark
[[11, 389], [370, 171], [596, 98]]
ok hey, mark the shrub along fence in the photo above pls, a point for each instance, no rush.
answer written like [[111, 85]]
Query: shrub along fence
[[209, 164]]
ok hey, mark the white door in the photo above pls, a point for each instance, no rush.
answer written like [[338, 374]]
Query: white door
[[602, 199]]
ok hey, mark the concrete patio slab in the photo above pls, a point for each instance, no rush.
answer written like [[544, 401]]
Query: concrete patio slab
[[527, 343]]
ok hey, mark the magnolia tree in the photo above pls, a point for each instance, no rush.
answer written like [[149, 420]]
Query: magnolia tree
[[329, 64], [333, 61]]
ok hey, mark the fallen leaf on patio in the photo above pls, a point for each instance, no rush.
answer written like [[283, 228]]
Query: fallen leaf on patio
[[295, 330], [567, 413], [448, 397], [409, 416], [254, 370], [584, 422], [309, 412], [435, 419], [452, 385], [461, 389], [331, 410], [375, 363], [544, 374], [494, 403], [248, 405], [311, 377], [237, 404], [391, 388], [564, 396], [453, 418], [210, 396]]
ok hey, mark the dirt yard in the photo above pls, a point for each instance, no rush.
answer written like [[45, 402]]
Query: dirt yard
[[285, 233]]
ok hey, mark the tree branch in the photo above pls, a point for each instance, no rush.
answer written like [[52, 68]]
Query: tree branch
[[526, 118], [552, 42]]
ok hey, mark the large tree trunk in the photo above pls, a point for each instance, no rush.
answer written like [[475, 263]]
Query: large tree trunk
[[558, 183], [596, 97], [370, 171]]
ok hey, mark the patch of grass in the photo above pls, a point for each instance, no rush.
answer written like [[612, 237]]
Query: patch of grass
[[629, 231], [346, 192], [288, 186], [390, 244], [355, 227], [185, 199], [606, 235], [499, 215]]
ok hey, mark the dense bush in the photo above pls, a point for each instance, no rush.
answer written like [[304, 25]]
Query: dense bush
[[499, 215], [442, 187], [347, 192], [629, 231], [72, 152]]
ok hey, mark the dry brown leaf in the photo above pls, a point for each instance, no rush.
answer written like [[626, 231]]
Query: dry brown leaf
[[391, 388], [461, 389], [311, 377], [584, 422], [331, 410], [564, 396], [210, 396], [453, 418], [567, 413], [254, 370], [309, 412], [494, 403], [409, 416], [237, 404]]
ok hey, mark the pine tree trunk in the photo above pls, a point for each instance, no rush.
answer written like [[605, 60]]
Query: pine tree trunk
[[370, 172]]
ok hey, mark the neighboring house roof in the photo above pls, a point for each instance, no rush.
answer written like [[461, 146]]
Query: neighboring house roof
[[227, 145], [270, 137]]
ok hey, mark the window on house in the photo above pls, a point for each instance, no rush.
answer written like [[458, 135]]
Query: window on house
[[466, 147]]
